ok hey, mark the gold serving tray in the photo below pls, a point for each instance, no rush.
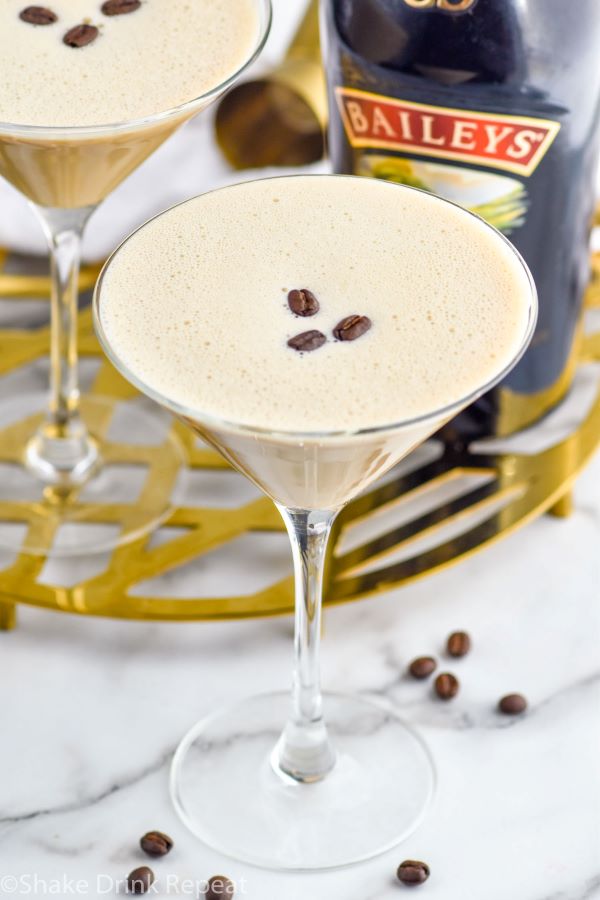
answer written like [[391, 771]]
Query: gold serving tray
[[443, 505]]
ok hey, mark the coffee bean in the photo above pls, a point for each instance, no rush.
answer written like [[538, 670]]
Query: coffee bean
[[81, 36], [156, 843], [422, 667], [446, 686], [140, 880], [219, 888], [512, 705], [351, 328], [120, 7], [412, 872], [303, 303], [38, 15], [307, 341], [459, 643]]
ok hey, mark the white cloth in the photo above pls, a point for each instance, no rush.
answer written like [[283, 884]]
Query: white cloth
[[187, 164]]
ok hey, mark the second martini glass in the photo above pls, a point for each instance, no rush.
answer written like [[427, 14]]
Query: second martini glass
[[66, 172], [345, 778]]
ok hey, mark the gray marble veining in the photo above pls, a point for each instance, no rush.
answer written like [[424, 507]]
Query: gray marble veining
[[92, 710]]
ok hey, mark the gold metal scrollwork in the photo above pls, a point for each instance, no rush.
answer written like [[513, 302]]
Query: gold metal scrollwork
[[515, 488]]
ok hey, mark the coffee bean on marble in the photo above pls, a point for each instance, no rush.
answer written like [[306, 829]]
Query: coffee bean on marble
[[446, 686], [412, 872], [140, 880], [219, 888], [156, 843], [422, 667], [458, 644], [512, 705]]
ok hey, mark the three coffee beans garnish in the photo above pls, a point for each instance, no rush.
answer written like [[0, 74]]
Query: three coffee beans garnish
[[83, 34], [304, 303]]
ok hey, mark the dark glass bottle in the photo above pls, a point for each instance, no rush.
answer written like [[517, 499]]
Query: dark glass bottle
[[494, 104]]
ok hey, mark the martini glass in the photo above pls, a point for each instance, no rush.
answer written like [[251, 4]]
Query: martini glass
[[64, 466], [310, 781]]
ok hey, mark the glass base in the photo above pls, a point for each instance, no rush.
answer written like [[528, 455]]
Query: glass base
[[126, 492], [230, 795]]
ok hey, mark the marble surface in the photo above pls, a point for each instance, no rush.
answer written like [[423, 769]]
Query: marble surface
[[92, 711]]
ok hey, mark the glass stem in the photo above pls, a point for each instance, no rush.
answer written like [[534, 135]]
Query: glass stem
[[304, 751], [62, 452]]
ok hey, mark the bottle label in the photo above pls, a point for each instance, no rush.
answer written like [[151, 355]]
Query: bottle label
[[461, 99], [514, 144]]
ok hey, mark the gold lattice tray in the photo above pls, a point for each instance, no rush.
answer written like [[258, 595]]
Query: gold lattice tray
[[439, 509]]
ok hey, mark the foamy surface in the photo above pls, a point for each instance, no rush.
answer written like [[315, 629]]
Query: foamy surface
[[165, 53], [195, 303]]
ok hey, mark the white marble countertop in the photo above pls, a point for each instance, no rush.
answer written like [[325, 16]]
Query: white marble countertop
[[92, 711]]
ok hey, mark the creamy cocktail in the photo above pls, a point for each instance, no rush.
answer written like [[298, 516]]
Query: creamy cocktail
[[90, 89], [445, 297], [125, 62], [314, 330]]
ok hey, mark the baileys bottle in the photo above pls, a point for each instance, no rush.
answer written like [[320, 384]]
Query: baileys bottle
[[494, 104]]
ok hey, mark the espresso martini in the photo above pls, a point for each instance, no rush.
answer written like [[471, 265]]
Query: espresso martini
[[90, 88], [77, 64], [313, 310], [314, 330]]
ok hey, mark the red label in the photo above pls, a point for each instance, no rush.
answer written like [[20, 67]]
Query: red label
[[514, 143]]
